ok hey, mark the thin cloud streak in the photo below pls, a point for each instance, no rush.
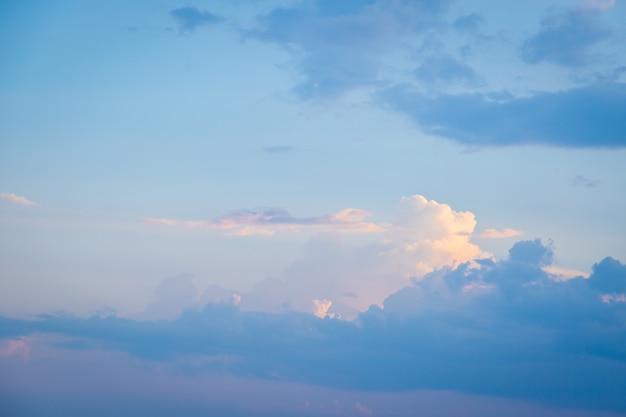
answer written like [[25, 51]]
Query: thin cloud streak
[[267, 221], [18, 199], [499, 234]]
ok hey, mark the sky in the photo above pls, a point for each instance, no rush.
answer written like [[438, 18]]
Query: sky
[[313, 208]]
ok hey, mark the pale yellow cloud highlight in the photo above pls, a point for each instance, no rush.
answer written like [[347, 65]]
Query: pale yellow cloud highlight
[[322, 307], [431, 235], [499, 234], [563, 274], [18, 199]]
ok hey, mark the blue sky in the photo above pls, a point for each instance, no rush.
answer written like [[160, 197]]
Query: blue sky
[[337, 207]]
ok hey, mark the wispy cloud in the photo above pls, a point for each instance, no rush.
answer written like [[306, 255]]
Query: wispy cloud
[[499, 234], [191, 18], [267, 221], [338, 46], [599, 4], [582, 181], [446, 69], [566, 38], [18, 199]]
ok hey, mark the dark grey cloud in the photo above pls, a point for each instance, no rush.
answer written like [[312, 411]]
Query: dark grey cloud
[[191, 18], [566, 38], [593, 116], [506, 329], [446, 69], [338, 46]]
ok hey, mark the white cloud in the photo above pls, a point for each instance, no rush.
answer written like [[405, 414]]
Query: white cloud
[[18, 199], [431, 235], [424, 236]]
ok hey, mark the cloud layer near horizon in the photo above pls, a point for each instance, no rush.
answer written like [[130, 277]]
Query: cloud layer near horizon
[[504, 329]]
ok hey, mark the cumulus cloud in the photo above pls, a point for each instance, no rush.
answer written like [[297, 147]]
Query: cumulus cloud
[[191, 18], [503, 329], [338, 46], [345, 275], [587, 117], [18, 199], [423, 236], [566, 38]]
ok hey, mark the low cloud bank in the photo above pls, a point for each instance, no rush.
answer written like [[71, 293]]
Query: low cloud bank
[[505, 329]]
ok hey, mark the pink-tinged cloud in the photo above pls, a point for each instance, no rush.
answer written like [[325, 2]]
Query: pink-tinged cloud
[[17, 199], [13, 347], [163, 221], [599, 4], [563, 274], [267, 221], [363, 409], [500, 234]]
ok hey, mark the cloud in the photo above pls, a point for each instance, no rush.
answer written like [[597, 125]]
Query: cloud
[[18, 199], [339, 46], [174, 295], [267, 221], [587, 117], [563, 274], [347, 274], [279, 149], [504, 329], [608, 276], [565, 38], [470, 23], [499, 234], [582, 181], [163, 221], [363, 409], [14, 347], [446, 69], [191, 18], [599, 4], [321, 308], [424, 235]]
